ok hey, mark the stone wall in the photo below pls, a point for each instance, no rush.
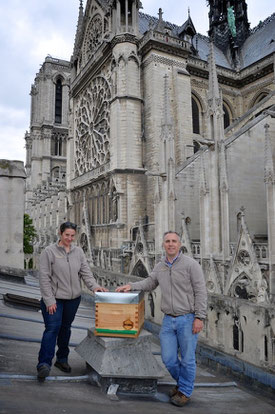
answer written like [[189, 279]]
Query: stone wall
[[12, 185], [243, 329]]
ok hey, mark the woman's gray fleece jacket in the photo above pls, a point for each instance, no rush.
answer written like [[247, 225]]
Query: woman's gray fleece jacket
[[60, 273], [182, 286]]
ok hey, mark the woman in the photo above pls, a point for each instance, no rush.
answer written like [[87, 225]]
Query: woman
[[62, 266]]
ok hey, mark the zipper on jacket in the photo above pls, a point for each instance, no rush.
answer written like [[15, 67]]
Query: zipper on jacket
[[67, 254], [170, 274]]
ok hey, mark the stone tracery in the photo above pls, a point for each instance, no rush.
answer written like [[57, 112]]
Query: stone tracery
[[92, 117], [93, 36]]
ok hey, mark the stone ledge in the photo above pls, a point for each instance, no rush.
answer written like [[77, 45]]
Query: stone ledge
[[14, 273], [238, 367]]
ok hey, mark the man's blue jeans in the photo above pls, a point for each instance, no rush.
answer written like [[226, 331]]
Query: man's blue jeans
[[57, 330], [176, 337]]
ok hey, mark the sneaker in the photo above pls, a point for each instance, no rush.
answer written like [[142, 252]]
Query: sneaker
[[63, 366], [173, 391], [179, 399], [42, 372]]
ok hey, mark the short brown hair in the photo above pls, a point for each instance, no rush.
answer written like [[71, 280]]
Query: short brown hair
[[171, 232]]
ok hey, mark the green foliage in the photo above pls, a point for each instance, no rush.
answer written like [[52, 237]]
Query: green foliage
[[29, 234]]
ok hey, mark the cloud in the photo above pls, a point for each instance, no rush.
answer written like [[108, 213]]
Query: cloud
[[11, 133], [29, 32], [54, 44], [12, 143]]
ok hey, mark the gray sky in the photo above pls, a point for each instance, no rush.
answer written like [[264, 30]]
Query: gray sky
[[32, 29]]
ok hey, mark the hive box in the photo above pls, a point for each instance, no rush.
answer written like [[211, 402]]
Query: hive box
[[119, 314]]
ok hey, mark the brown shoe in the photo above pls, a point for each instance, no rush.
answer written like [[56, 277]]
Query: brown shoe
[[179, 399], [173, 391]]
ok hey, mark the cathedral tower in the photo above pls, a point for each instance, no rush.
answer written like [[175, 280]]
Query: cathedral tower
[[228, 23]]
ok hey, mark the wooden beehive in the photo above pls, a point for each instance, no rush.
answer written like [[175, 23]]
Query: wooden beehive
[[119, 314]]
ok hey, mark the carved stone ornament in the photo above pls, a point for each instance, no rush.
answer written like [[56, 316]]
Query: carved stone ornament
[[243, 257], [84, 242], [92, 120], [210, 286]]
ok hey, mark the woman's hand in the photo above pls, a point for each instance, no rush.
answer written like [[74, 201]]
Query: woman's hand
[[51, 309], [100, 289]]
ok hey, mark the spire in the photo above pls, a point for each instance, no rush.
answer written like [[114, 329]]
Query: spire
[[78, 29], [215, 106], [161, 24], [213, 86], [160, 13]]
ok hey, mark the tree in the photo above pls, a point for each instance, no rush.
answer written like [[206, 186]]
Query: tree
[[29, 234]]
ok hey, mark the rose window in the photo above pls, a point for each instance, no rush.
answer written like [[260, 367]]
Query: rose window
[[92, 120], [93, 37]]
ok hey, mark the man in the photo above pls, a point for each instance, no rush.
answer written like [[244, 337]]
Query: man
[[183, 303]]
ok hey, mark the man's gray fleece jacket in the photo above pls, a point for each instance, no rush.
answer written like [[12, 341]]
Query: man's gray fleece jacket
[[182, 287], [60, 273]]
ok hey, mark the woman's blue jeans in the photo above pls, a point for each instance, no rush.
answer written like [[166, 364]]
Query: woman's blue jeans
[[57, 330], [176, 338]]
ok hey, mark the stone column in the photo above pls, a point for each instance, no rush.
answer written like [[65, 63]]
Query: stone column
[[12, 185]]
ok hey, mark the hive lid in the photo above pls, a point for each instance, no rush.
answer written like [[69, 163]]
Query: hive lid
[[119, 297]]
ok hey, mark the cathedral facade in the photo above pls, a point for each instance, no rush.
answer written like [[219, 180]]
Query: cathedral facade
[[169, 129], [46, 151]]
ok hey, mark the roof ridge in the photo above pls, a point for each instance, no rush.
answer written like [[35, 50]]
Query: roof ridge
[[156, 19], [263, 24], [173, 25]]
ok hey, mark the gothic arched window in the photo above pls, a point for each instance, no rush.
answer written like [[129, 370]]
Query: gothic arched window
[[259, 98], [195, 116], [226, 116], [58, 102]]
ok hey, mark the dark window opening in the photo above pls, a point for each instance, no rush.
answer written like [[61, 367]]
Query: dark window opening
[[226, 117], [134, 233], [58, 147], [235, 337], [58, 102], [196, 146], [241, 292], [195, 117], [242, 340], [140, 270], [265, 348], [262, 97], [123, 12]]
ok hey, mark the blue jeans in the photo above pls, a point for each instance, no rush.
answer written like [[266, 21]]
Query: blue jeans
[[176, 337], [57, 330]]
